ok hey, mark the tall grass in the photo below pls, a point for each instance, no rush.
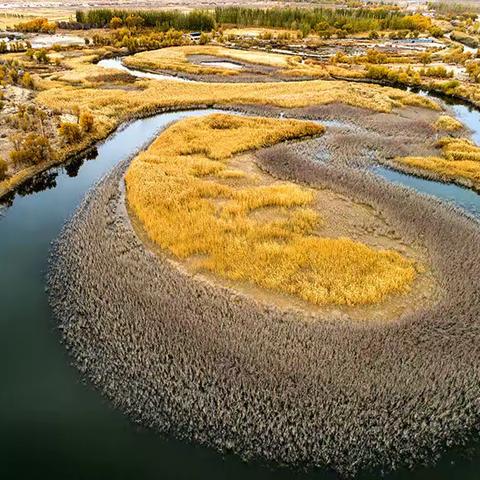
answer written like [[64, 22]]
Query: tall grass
[[186, 206], [113, 105], [215, 366], [460, 162]]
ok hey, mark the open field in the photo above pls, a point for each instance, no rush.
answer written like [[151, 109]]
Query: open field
[[193, 204]]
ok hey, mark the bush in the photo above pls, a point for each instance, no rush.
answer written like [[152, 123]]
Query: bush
[[41, 56], [3, 169], [116, 22], [37, 25], [27, 80], [70, 132], [31, 150], [204, 39], [86, 122]]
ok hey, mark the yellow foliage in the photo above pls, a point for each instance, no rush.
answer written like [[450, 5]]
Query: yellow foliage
[[243, 230], [461, 161], [176, 58], [448, 123]]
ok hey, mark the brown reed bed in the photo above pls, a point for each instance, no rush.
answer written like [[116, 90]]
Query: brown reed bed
[[207, 363]]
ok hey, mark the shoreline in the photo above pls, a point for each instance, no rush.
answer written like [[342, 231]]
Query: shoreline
[[211, 365], [27, 174]]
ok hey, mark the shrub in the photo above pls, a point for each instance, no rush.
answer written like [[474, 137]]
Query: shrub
[[27, 80], [70, 132], [204, 39], [33, 149], [3, 169], [41, 56], [37, 25], [116, 22], [86, 121]]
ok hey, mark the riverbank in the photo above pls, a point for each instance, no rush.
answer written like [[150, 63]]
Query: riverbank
[[210, 364]]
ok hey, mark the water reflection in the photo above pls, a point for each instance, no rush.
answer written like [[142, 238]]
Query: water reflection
[[73, 166], [38, 183]]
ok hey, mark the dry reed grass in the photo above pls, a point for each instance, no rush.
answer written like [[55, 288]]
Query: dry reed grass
[[176, 59], [447, 123], [113, 105], [178, 190], [460, 162], [213, 366]]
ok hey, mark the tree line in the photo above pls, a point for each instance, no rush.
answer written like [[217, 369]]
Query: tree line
[[163, 20], [349, 20]]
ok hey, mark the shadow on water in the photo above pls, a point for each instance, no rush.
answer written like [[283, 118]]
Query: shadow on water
[[54, 426]]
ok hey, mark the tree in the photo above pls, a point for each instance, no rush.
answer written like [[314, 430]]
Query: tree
[[86, 121], [134, 21], [70, 132], [116, 22], [30, 150]]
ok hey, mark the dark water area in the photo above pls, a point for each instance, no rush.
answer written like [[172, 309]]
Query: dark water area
[[54, 425]]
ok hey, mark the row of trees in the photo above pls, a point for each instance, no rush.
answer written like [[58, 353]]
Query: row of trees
[[350, 20], [37, 25], [135, 42], [163, 20]]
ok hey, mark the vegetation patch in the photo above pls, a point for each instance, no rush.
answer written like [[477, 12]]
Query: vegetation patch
[[460, 162], [191, 204], [447, 123]]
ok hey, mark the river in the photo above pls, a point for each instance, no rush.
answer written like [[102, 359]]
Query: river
[[55, 426]]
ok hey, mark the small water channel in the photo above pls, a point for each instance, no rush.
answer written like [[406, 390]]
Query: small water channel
[[462, 197], [116, 64], [54, 426]]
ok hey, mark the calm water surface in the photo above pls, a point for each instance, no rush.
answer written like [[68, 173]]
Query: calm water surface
[[54, 426]]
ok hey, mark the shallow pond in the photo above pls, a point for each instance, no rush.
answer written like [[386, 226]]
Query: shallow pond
[[45, 41], [54, 426], [116, 64]]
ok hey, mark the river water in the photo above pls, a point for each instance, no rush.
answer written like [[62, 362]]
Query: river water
[[54, 426]]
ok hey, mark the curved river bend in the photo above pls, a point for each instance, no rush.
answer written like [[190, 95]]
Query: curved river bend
[[51, 424]]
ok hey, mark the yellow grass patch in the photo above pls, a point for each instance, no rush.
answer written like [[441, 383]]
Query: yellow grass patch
[[189, 205], [448, 123], [460, 162], [115, 104], [176, 58]]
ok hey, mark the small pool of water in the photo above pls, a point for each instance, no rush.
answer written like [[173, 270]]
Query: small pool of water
[[223, 64], [41, 40], [116, 64]]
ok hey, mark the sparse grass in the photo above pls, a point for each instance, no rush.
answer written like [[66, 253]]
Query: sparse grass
[[180, 190]]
